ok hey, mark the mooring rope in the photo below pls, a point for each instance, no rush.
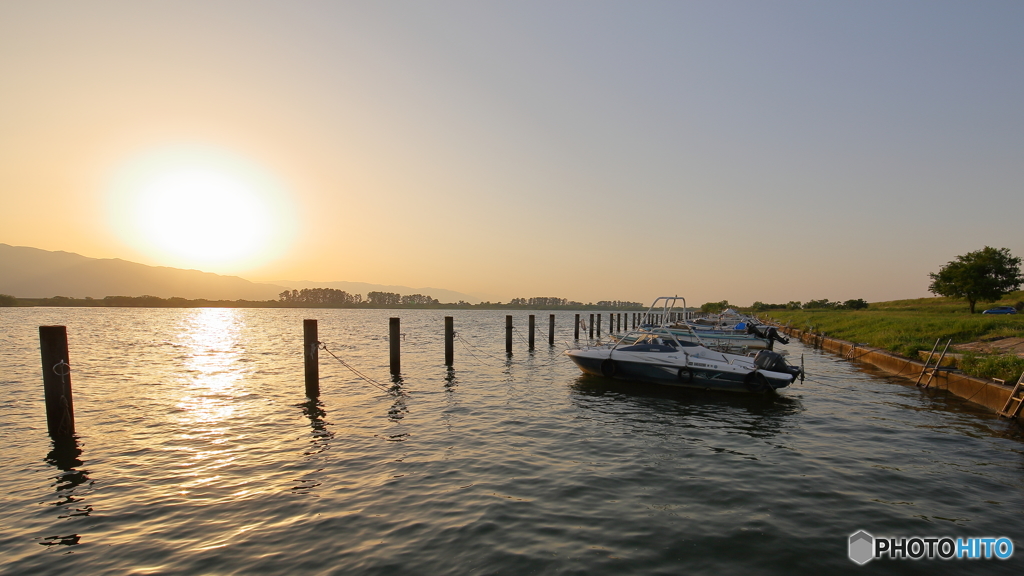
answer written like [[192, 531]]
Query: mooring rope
[[813, 381], [470, 347], [354, 371], [980, 388], [524, 340], [507, 360]]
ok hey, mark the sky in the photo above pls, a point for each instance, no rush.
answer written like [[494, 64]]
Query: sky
[[591, 150]]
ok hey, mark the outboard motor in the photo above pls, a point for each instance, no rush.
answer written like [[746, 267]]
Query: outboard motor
[[774, 362], [773, 334], [767, 332]]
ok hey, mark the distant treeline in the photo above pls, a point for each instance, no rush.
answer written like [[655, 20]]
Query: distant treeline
[[316, 298], [332, 297], [549, 302], [824, 304], [858, 304]]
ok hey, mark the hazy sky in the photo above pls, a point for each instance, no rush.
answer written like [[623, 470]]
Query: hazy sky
[[590, 150]]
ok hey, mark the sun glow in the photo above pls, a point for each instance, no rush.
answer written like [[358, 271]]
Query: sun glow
[[200, 207]]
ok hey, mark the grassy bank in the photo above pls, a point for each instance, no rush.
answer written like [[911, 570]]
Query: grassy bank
[[907, 326]]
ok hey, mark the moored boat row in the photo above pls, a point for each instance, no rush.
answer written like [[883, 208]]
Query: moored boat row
[[677, 354]]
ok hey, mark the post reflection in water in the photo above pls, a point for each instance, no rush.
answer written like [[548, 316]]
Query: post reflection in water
[[398, 409], [320, 442], [451, 383], [65, 456], [314, 410], [510, 379]]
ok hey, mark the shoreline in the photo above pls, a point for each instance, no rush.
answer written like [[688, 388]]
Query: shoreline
[[981, 391], [158, 302]]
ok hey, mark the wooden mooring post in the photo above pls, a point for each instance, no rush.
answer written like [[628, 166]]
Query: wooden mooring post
[[532, 328], [395, 338], [551, 330], [508, 335], [576, 330], [449, 341], [60, 407], [591, 327], [311, 355]]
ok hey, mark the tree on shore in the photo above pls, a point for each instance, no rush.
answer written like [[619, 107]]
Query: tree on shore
[[984, 275], [328, 296], [715, 307], [8, 300]]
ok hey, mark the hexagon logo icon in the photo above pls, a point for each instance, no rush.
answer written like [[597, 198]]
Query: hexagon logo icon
[[861, 547]]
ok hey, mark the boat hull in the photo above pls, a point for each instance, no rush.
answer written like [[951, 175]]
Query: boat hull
[[689, 373]]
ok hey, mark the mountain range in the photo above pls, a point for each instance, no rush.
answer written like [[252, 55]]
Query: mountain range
[[33, 273]]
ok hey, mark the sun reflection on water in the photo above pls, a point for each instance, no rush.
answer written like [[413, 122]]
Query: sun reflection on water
[[212, 380]]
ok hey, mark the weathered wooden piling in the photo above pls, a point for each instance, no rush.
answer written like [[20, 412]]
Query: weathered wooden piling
[[551, 330], [395, 338], [449, 341], [591, 326], [576, 331], [60, 407], [311, 355], [598, 325], [508, 335], [532, 328]]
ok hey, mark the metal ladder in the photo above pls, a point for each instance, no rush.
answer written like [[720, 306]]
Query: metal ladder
[[1017, 395], [931, 373]]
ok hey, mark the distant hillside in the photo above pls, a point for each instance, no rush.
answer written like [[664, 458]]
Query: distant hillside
[[34, 273], [445, 296]]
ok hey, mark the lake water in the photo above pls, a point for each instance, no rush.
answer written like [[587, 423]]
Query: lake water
[[198, 454]]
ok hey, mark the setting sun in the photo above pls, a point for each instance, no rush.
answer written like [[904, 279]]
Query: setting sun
[[200, 207]]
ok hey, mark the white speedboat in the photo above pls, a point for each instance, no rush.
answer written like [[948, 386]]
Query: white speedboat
[[659, 356], [744, 337]]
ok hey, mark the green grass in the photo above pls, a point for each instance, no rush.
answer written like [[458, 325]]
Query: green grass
[[1006, 367], [907, 326]]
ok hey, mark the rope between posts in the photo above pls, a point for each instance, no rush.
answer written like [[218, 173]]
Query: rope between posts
[[520, 335], [524, 340], [323, 347], [469, 348], [527, 342]]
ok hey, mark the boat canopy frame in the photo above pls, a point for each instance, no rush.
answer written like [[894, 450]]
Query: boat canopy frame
[[667, 306]]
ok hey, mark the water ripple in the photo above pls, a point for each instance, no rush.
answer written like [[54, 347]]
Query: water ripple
[[198, 454]]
